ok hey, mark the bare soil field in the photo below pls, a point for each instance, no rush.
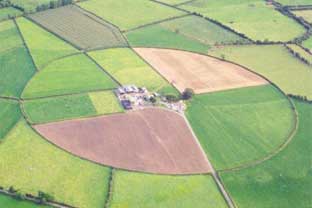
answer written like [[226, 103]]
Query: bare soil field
[[201, 73], [152, 140], [80, 28]]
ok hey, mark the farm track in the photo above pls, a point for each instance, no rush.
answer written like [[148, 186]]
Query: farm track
[[214, 174]]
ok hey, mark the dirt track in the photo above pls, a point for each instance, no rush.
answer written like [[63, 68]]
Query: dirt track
[[201, 73], [150, 140]]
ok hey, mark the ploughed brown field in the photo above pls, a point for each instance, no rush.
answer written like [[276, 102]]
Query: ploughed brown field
[[151, 140], [199, 72]]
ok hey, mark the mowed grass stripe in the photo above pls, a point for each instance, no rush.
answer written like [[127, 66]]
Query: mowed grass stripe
[[134, 190], [70, 107], [16, 65], [283, 181], [254, 18], [237, 127], [30, 164], [74, 74], [43, 45], [9, 115], [131, 14], [273, 62], [128, 68]]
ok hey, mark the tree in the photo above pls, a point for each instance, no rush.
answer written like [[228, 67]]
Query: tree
[[44, 197], [187, 94], [172, 98]]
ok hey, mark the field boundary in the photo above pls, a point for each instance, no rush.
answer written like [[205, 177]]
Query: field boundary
[[67, 94], [26, 46], [102, 69], [163, 77], [110, 187], [208, 19], [276, 151], [35, 200], [155, 23], [53, 33]]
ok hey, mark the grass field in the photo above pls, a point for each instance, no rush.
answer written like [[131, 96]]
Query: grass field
[[238, 126], [74, 74], [69, 107], [79, 28], [275, 63], [13, 74], [283, 181], [136, 190], [295, 2], [44, 46], [308, 44], [9, 115], [29, 163], [254, 18], [29, 5], [7, 12], [305, 14], [126, 67], [302, 53], [187, 33], [141, 12], [9, 202]]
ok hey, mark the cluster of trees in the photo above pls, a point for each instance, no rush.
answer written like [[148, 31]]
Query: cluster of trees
[[53, 4], [298, 55], [186, 95], [42, 197], [301, 98], [4, 3]]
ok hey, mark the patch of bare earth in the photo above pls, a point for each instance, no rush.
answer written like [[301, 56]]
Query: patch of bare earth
[[201, 73], [150, 140]]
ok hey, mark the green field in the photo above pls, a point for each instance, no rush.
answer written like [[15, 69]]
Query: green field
[[80, 28], [275, 63], [295, 2], [254, 18], [138, 190], [187, 33], [29, 5], [74, 74], [9, 202], [29, 163], [7, 12], [14, 74], [126, 67], [301, 52], [308, 44], [44, 46], [305, 14], [128, 14], [69, 107], [239, 126], [9, 36], [283, 181], [173, 2], [9, 115]]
